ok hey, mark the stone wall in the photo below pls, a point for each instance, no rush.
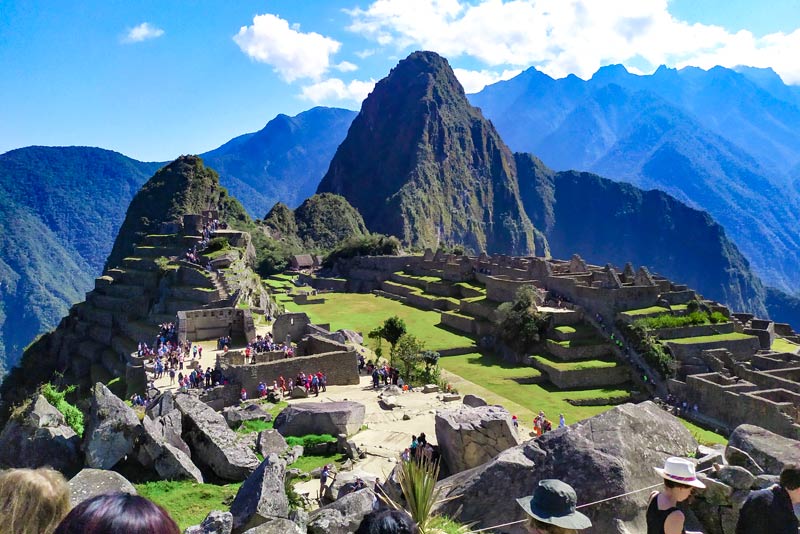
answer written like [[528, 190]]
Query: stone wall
[[584, 378], [693, 331], [581, 352], [290, 324], [314, 344], [341, 368], [503, 289], [740, 349], [212, 323]]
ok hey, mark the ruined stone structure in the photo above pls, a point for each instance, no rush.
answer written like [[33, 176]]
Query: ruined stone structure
[[211, 323]]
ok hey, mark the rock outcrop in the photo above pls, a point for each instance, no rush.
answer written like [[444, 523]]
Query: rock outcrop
[[91, 482], [469, 437], [276, 526], [321, 418], [170, 462], [607, 455], [270, 442], [213, 444], [112, 429], [216, 522], [39, 436], [236, 415], [769, 450], [343, 516], [262, 496]]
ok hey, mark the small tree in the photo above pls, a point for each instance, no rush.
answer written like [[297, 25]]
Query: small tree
[[391, 330], [375, 334], [520, 324], [409, 351]]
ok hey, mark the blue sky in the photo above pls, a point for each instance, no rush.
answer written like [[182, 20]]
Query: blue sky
[[155, 79]]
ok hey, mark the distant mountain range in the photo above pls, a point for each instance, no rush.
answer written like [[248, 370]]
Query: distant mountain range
[[724, 141], [443, 174]]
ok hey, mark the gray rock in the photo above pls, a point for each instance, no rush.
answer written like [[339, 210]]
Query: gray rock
[[474, 401], [112, 429], [717, 492], [262, 496], [276, 526], [91, 482], [343, 516], [299, 393], [216, 522], [236, 415], [769, 450], [765, 481], [735, 456], [389, 402], [430, 388], [619, 447], [708, 514], [39, 437], [708, 461], [736, 477], [728, 519], [170, 462], [161, 405], [469, 437], [320, 418], [344, 483], [450, 397], [391, 391], [300, 518], [270, 442], [213, 444], [351, 336]]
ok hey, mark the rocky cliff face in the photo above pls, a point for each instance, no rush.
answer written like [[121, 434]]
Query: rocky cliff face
[[420, 163]]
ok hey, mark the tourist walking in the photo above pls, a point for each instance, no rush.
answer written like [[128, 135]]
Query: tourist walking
[[771, 510], [551, 509], [663, 516]]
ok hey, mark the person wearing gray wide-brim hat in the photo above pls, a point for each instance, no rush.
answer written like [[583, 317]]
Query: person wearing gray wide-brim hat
[[553, 505]]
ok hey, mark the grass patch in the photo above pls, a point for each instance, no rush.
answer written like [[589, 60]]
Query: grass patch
[[254, 426], [309, 463], [366, 312], [309, 440], [420, 278], [733, 336], [447, 525], [582, 342], [188, 502], [652, 310], [511, 382], [574, 366], [678, 321], [783, 345], [565, 329], [703, 436], [474, 287]]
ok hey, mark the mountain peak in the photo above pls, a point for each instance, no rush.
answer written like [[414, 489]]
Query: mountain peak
[[421, 163]]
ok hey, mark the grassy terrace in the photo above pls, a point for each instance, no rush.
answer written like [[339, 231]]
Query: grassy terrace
[[782, 345], [582, 330], [574, 343], [420, 278], [474, 287], [734, 336], [363, 312], [512, 382], [188, 502], [420, 293], [574, 366], [646, 311]]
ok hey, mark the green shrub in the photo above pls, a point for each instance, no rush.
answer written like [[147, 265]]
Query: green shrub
[[520, 324], [649, 347], [717, 317], [367, 245], [71, 413], [217, 243], [310, 440], [672, 321]]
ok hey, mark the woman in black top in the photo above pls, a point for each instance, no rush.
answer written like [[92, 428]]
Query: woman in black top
[[663, 516]]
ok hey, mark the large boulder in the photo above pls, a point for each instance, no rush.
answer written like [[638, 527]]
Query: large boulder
[[262, 496], [216, 522], [343, 516], [111, 429], [213, 444], [161, 405], [271, 442], [469, 437], [170, 462], [608, 455], [276, 526], [344, 483], [91, 482], [236, 415], [38, 437], [769, 450], [474, 400], [320, 418]]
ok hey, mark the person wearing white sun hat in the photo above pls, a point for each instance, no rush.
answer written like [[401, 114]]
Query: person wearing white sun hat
[[663, 516]]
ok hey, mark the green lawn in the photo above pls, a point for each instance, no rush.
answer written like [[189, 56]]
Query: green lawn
[[420, 278], [574, 366], [733, 336], [509, 381], [782, 345], [473, 286], [363, 311], [703, 436], [646, 311], [188, 502]]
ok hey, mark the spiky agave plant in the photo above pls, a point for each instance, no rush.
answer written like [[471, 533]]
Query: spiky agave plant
[[418, 482]]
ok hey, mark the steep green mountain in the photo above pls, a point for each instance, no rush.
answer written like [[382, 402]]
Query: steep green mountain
[[711, 139], [282, 162], [784, 308], [59, 210], [420, 163], [417, 149], [607, 221]]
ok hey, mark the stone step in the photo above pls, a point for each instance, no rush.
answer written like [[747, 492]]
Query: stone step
[[140, 264], [89, 313], [140, 331], [91, 350], [174, 306], [122, 290], [103, 281], [573, 332], [123, 345], [136, 305], [147, 279], [200, 295], [150, 251]]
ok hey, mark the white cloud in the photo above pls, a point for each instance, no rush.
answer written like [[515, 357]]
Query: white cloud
[[292, 53], [334, 89], [475, 80], [346, 66], [569, 36], [142, 32], [363, 54]]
